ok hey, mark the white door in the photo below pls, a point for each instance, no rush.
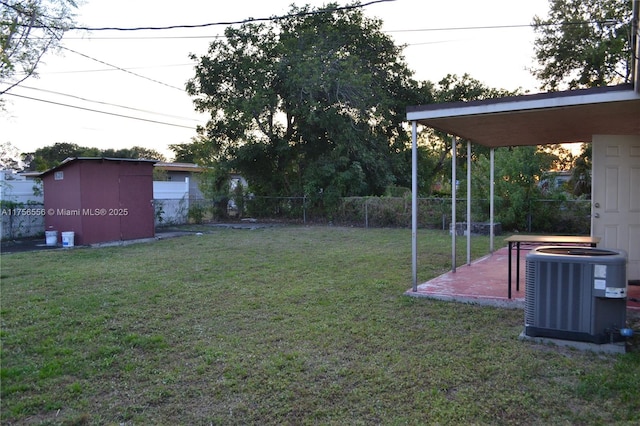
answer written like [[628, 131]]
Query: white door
[[616, 196]]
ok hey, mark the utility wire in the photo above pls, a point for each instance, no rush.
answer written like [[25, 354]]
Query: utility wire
[[170, 27], [242, 21], [193, 64], [500, 27], [102, 112], [90, 38], [108, 103], [120, 68], [486, 27]]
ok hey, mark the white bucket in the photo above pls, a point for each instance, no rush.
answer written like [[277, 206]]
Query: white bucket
[[51, 237], [67, 239]]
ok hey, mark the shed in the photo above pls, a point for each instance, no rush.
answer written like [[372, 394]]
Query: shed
[[100, 199]]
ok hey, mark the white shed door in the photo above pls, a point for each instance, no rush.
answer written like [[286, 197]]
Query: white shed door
[[616, 196]]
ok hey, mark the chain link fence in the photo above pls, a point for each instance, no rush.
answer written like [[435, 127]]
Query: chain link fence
[[21, 220], [542, 216]]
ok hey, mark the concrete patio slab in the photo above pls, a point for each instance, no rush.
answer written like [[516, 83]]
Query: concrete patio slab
[[485, 282]]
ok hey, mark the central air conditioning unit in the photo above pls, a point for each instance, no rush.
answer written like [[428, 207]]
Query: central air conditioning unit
[[576, 293]]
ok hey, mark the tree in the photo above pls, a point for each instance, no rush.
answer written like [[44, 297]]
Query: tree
[[435, 151], [136, 152], [313, 103], [184, 152], [9, 157], [519, 171], [580, 182], [50, 156], [584, 43], [28, 29]]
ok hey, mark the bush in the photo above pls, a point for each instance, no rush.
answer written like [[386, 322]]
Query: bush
[[196, 213]]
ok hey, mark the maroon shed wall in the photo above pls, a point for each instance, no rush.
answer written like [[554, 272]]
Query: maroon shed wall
[[99, 191], [62, 209], [101, 200], [136, 195]]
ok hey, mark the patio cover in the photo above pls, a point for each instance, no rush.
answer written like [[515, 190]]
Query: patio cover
[[547, 118], [539, 119]]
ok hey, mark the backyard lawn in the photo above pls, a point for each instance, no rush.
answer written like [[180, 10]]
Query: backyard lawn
[[283, 325]]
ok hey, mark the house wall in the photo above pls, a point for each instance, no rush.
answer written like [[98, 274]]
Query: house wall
[[191, 178], [615, 196], [177, 176]]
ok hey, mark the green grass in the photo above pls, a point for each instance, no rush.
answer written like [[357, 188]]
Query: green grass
[[291, 325]]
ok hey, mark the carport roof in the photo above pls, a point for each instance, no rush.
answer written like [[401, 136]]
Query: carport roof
[[545, 118]]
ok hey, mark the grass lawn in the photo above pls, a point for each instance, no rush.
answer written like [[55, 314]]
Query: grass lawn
[[290, 325]]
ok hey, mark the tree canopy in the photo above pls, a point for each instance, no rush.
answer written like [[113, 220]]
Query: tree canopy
[[50, 156], [28, 29], [313, 103], [9, 157], [584, 43], [435, 151]]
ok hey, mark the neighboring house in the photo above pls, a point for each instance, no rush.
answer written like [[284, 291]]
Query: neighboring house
[[554, 180], [183, 172], [30, 175], [100, 199], [189, 172], [607, 117], [236, 180]]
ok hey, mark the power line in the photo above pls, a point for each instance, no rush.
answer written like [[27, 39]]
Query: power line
[[108, 103], [213, 24], [112, 69], [102, 112], [120, 68], [242, 21], [146, 37], [484, 27], [500, 27]]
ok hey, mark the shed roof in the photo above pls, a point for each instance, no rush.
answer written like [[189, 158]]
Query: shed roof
[[71, 160]]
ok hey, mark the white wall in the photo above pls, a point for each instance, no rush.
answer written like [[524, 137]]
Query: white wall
[[171, 201], [22, 206]]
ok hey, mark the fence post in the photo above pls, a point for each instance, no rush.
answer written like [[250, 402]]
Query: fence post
[[366, 213], [304, 209]]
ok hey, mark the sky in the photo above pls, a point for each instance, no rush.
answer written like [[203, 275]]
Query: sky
[[442, 37]]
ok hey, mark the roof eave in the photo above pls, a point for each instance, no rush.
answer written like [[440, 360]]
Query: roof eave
[[523, 103]]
